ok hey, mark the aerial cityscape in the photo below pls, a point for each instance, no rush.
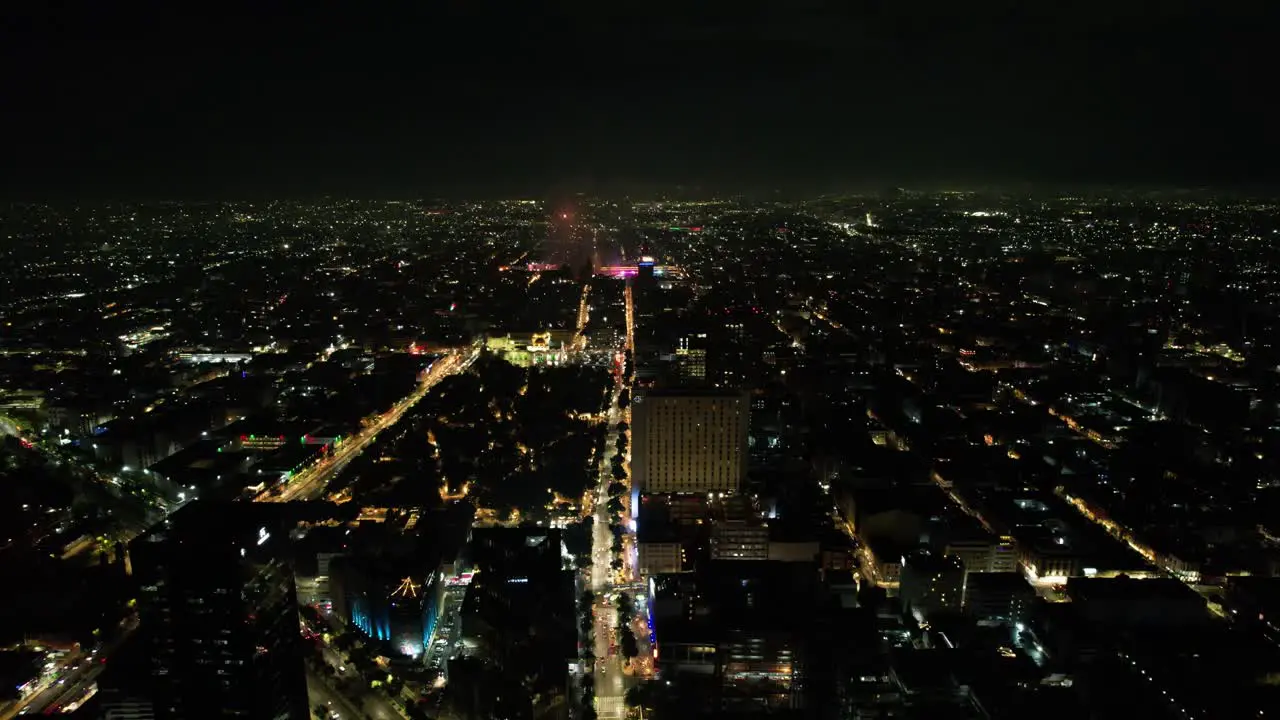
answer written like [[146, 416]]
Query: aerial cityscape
[[639, 361], [903, 454]]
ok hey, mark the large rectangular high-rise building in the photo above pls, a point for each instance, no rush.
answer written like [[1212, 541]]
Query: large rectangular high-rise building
[[219, 615], [689, 441]]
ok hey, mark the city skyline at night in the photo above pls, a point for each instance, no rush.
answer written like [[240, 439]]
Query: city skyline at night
[[640, 361]]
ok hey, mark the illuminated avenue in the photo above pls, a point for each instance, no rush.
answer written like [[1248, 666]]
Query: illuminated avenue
[[311, 482]]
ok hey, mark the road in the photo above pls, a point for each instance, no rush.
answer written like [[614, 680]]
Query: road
[[584, 314], [311, 483], [74, 684], [321, 693], [346, 691], [364, 703], [448, 630], [631, 319], [77, 671], [347, 681], [609, 680]]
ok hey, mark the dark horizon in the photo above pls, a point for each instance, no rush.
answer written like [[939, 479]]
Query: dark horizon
[[459, 102], [655, 192]]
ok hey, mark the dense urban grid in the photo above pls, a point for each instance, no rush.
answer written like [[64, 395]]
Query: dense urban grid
[[911, 455]]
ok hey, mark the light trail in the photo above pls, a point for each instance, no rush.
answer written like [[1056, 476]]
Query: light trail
[[310, 483]]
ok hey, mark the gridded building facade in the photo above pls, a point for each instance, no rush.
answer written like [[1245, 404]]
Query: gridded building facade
[[689, 441], [219, 614]]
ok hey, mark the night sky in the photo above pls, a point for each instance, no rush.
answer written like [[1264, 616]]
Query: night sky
[[492, 99]]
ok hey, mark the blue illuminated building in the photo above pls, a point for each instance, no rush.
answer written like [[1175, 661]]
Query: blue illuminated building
[[400, 612], [390, 581], [376, 625]]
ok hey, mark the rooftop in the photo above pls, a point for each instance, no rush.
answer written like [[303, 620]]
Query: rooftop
[[1127, 590]]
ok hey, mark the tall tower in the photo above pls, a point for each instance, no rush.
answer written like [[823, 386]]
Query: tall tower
[[219, 614], [690, 441], [645, 268]]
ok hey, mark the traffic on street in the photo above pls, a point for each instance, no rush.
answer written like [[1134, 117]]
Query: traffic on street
[[311, 483]]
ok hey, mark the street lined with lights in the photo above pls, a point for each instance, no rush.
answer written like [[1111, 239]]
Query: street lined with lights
[[310, 483]]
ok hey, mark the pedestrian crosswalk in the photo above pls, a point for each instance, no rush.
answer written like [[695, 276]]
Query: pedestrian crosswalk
[[610, 708]]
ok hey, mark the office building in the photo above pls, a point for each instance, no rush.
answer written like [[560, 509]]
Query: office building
[[746, 630], [931, 583], [389, 582], [520, 614], [112, 704], [1003, 596], [402, 613], [689, 441], [691, 358], [659, 541], [219, 615], [655, 558], [1127, 602], [984, 553], [738, 531], [645, 271]]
